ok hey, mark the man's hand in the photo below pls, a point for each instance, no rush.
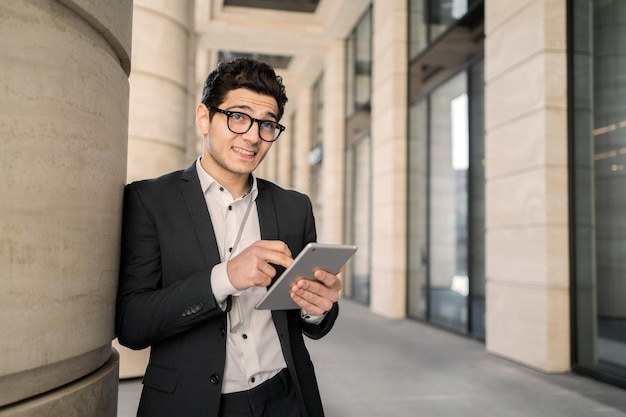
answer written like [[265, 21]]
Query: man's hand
[[252, 267], [317, 296]]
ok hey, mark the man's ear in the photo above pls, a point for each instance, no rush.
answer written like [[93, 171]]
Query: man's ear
[[202, 119]]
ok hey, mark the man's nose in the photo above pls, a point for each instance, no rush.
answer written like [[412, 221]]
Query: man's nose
[[253, 134]]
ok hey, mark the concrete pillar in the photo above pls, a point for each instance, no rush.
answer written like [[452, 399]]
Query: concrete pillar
[[330, 217], [389, 150], [160, 97], [64, 69], [526, 183], [161, 116]]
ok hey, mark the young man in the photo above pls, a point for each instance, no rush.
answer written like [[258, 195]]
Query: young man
[[199, 248]]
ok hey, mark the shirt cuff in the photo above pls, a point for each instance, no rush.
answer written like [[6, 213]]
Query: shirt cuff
[[309, 318], [221, 285]]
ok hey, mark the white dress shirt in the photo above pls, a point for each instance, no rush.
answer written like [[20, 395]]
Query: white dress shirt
[[253, 352]]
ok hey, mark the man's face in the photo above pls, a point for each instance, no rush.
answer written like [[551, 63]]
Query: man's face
[[229, 155]]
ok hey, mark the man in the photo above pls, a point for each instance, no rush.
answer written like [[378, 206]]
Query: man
[[199, 248]]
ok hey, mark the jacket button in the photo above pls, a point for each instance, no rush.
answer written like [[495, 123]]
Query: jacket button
[[215, 379], [222, 331]]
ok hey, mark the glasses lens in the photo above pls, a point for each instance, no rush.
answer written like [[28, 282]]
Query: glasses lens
[[269, 130], [239, 122]]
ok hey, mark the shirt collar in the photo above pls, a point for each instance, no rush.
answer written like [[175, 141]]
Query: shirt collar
[[206, 181]]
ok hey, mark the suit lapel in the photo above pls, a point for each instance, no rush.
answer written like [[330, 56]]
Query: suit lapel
[[199, 213], [269, 231], [267, 213]]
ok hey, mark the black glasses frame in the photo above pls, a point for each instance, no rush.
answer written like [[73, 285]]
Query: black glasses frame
[[229, 114]]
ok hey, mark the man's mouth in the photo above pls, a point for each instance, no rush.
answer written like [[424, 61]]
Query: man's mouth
[[244, 151]]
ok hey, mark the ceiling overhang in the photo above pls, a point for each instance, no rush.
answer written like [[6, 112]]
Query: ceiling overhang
[[303, 6]]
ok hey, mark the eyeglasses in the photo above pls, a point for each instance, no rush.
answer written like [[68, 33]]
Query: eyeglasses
[[240, 123]]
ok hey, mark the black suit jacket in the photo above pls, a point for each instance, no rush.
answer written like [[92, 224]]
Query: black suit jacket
[[165, 299]]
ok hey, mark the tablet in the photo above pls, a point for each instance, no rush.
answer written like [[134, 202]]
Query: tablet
[[329, 257]]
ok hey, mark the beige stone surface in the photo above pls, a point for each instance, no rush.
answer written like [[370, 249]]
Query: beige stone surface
[[532, 255], [94, 395], [161, 115], [536, 197], [532, 28], [160, 38], [179, 12], [150, 99], [152, 158], [530, 142], [389, 75], [330, 224], [63, 120], [529, 324], [527, 242], [544, 79], [134, 363], [112, 19], [500, 12]]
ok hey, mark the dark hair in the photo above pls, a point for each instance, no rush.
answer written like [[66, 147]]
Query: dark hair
[[247, 73]]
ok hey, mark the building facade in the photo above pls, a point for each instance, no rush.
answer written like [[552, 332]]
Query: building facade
[[472, 149], [474, 152]]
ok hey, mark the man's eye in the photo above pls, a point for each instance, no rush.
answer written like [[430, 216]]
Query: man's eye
[[268, 125], [238, 117]]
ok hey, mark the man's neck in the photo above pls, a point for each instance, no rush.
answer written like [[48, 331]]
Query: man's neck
[[236, 184]]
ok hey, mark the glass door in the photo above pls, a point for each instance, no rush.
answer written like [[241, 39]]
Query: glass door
[[358, 218], [598, 172]]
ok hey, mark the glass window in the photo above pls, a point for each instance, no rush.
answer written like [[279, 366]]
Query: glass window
[[359, 66], [444, 13], [446, 223], [476, 203], [293, 169], [418, 29], [449, 160], [428, 19], [417, 218], [598, 169], [315, 151], [358, 217], [358, 200]]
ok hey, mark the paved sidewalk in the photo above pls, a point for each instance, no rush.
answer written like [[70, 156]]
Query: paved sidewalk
[[370, 366]]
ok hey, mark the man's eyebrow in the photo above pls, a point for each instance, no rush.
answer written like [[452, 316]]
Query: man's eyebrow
[[245, 108]]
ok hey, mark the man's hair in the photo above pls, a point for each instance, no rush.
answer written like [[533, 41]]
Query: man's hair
[[248, 73]]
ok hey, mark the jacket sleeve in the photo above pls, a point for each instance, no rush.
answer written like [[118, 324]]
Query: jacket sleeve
[[317, 331], [149, 309]]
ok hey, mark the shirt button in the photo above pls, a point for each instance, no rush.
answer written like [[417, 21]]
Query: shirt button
[[245, 336], [221, 188], [252, 380], [230, 208], [230, 249]]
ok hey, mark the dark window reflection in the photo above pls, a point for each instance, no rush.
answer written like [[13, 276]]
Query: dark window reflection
[[599, 192]]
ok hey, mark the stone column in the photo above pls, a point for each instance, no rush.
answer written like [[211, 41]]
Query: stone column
[[526, 183], [389, 165], [330, 217], [64, 69], [159, 87]]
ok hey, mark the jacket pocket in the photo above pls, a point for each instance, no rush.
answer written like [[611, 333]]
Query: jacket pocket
[[162, 379]]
